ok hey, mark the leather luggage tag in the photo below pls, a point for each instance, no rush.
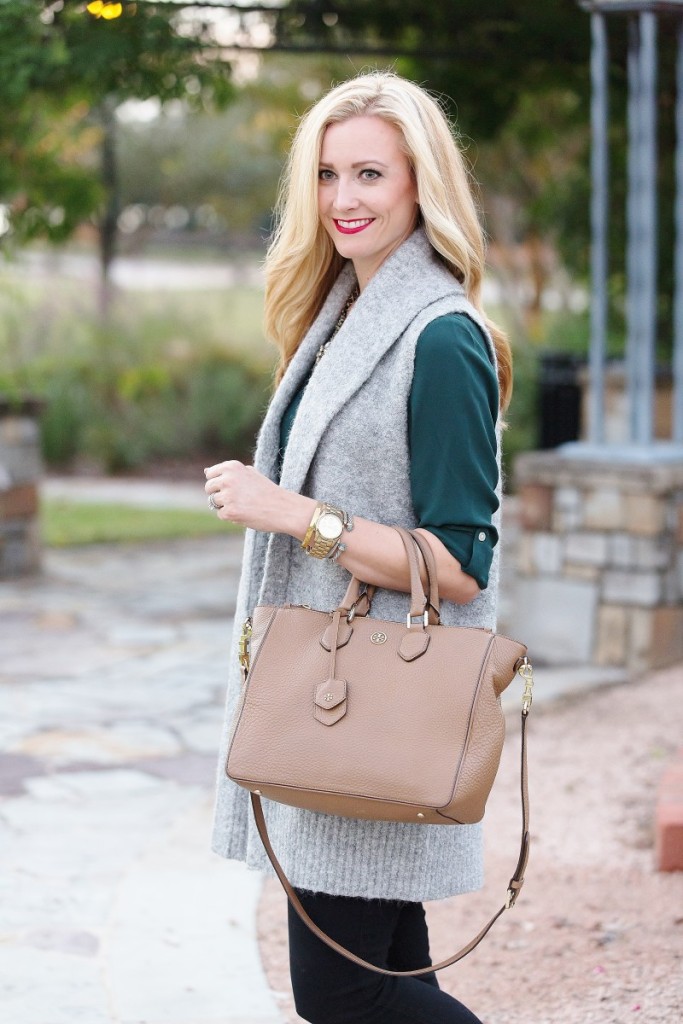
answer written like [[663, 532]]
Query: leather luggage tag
[[330, 701]]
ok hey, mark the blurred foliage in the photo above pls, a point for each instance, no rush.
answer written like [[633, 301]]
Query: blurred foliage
[[61, 73], [492, 53], [45, 176], [146, 386], [219, 170]]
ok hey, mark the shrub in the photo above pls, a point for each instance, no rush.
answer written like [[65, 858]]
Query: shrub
[[146, 386]]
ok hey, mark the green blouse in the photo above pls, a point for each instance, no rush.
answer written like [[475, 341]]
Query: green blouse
[[452, 434]]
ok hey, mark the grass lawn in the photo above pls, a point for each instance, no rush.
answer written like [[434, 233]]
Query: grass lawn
[[65, 523]]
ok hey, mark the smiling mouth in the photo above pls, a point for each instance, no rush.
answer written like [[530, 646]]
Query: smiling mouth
[[352, 227]]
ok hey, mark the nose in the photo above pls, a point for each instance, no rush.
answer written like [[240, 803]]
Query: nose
[[345, 199]]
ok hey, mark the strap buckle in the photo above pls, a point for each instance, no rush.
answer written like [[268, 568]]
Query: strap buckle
[[425, 619]]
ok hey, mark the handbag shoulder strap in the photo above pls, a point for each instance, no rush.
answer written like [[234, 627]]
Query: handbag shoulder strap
[[514, 886]]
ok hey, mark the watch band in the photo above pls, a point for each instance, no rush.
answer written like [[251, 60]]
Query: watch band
[[308, 536], [314, 543]]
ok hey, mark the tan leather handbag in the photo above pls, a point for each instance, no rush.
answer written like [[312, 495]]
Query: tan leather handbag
[[350, 715]]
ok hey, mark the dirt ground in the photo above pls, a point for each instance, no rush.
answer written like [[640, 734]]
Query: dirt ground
[[597, 934]]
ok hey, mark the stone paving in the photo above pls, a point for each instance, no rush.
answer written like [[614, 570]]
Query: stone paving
[[112, 907]]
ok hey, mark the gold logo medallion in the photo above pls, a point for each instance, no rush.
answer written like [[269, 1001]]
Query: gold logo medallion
[[378, 638]]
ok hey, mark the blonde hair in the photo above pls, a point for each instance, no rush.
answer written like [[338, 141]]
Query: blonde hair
[[302, 263]]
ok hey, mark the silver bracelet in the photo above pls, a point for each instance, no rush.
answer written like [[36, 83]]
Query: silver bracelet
[[336, 551], [348, 522]]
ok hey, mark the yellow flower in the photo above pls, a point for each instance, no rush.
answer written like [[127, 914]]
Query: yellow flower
[[105, 10]]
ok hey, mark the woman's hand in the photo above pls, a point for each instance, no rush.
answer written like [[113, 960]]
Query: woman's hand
[[248, 497], [373, 552]]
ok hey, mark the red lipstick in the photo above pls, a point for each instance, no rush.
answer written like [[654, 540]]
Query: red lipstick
[[353, 231]]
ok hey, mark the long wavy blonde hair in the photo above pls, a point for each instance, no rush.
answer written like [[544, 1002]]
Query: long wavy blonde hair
[[302, 263]]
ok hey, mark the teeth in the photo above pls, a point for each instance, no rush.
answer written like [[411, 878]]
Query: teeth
[[354, 223]]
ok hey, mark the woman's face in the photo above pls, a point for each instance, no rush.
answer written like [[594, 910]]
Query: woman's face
[[367, 197]]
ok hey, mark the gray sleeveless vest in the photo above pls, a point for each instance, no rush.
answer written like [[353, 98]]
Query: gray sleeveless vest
[[349, 446]]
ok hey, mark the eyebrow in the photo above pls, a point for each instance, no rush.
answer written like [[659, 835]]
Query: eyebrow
[[360, 163]]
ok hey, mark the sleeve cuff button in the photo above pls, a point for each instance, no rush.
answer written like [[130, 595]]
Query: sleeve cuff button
[[482, 535]]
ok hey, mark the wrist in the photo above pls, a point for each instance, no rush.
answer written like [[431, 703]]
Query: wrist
[[298, 514]]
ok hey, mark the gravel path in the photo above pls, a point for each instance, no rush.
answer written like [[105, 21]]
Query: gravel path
[[597, 934]]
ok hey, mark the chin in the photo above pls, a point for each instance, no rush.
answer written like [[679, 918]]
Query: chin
[[348, 247]]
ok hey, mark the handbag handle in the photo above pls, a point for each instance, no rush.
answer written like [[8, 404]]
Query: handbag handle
[[514, 886], [432, 576], [420, 601]]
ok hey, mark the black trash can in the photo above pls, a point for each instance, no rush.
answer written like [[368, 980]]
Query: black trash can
[[559, 398]]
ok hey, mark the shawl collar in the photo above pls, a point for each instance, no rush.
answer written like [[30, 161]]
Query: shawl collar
[[265, 459], [411, 279]]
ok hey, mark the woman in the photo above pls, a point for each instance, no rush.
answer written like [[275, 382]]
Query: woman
[[386, 412]]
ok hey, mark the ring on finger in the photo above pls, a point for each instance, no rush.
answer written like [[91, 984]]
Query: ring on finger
[[213, 504]]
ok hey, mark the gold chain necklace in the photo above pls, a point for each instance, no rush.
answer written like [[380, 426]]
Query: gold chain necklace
[[339, 324]]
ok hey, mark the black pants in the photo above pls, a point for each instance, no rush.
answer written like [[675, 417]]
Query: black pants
[[329, 989]]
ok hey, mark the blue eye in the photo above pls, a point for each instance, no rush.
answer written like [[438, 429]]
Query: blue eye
[[324, 174], [373, 174]]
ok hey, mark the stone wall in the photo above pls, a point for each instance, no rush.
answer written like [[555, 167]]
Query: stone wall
[[20, 471], [600, 561]]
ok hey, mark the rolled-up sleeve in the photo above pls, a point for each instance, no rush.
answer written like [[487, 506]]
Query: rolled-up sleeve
[[452, 431]]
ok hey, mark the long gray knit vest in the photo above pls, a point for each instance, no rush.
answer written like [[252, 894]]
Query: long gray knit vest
[[349, 446]]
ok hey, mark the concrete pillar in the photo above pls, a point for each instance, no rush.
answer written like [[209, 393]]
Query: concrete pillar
[[20, 472]]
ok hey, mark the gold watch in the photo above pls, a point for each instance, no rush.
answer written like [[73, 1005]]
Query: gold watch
[[324, 530]]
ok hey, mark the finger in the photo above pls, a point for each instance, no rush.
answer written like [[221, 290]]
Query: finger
[[222, 467]]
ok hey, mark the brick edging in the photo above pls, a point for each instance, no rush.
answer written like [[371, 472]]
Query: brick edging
[[669, 817]]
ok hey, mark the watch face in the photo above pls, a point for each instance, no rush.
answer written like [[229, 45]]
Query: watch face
[[329, 526]]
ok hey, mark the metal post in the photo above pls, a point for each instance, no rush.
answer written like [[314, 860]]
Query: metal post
[[648, 203], [599, 222], [641, 256], [678, 276], [633, 241]]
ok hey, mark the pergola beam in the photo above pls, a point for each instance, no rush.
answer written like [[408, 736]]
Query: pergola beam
[[631, 6]]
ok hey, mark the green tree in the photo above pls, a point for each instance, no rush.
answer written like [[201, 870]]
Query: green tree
[[63, 73]]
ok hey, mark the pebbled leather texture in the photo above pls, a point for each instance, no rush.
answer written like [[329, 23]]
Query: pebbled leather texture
[[415, 740]]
